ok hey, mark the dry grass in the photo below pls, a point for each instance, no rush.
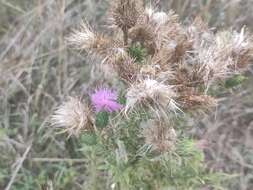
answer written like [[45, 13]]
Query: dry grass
[[37, 72], [227, 136]]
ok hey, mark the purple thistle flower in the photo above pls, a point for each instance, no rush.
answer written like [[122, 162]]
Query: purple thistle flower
[[104, 100]]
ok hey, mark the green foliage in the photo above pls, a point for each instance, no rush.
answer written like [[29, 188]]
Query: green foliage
[[88, 138], [102, 119], [137, 52], [130, 164], [2, 133], [234, 81], [121, 99]]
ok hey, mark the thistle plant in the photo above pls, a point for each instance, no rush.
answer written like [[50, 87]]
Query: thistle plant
[[130, 134]]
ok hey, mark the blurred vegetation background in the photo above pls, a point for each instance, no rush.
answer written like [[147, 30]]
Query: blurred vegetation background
[[37, 72]]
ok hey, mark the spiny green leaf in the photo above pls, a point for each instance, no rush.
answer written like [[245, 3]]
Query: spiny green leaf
[[102, 119]]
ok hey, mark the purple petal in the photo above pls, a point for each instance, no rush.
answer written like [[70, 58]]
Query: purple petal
[[104, 99]]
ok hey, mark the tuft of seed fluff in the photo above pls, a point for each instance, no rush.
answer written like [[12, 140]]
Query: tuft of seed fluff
[[82, 38], [226, 53], [86, 39], [150, 92], [71, 117]]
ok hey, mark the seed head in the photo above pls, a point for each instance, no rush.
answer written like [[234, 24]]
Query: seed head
[[82, 38], [197, 102], [72, 117], [221, 55], [125, 13], [126, 68], [85, 39], [150, 92]]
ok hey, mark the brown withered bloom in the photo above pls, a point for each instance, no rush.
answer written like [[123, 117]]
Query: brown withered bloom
[[218, 56], [169, 38], [197, 102], [125, 13], [127, 69], [72, 117], [145, 34], [151, 93], [160, 137], [86, 39]]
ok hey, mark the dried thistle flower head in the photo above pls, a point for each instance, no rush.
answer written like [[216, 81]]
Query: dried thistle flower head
[[153, 28], [225, 55], [197, 102], [150, 92], [217, 56], [127, 69], [171, 40], [145, 34], [72, 117], [125, 13], [82, 39], [86, 39], [213, 65], [160, 137]]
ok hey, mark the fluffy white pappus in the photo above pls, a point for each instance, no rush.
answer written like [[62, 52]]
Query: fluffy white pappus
[[150, 92], [228, 50], [213, 64], [71, 117], [160, 18], [82, 38], [149, 11]]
